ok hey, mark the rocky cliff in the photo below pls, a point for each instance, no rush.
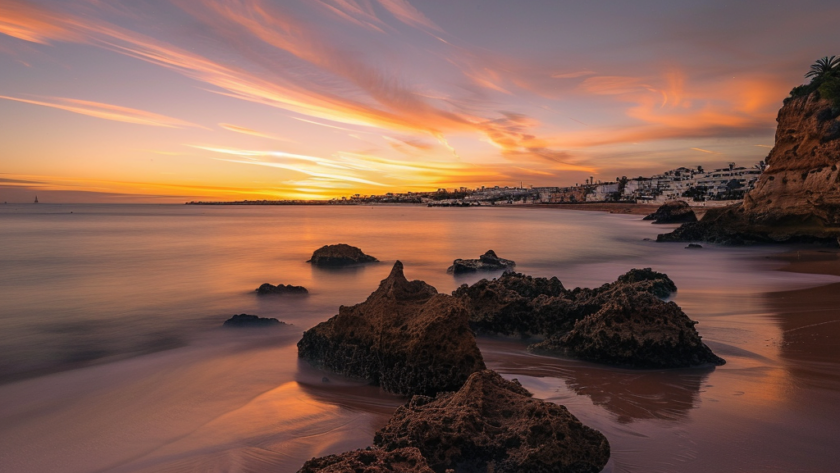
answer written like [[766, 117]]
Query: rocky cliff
[[802, 183], [797, 199]]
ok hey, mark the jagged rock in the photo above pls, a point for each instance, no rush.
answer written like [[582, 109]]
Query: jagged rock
[[339, 255], [494, 425], [516, 304], [675, 211], [405, 337], [797, 199], [370, 460], [634, 329], [486, 262], [693, 246], [281, 289], [245, 320]]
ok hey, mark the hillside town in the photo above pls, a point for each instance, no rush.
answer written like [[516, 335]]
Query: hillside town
[[691, 184]]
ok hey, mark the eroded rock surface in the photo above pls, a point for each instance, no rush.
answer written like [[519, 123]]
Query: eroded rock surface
[[405, 337], [797, 199], [339, 255], [634, 329], [245, 320], [281, 289], [492, 424], [660, 334], [370, 460], [486, 262], [675, 211]]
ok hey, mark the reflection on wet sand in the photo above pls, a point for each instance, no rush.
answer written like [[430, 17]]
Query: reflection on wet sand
[[627, 394]]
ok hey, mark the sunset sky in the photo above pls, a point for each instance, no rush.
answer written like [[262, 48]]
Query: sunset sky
[[156, 101]]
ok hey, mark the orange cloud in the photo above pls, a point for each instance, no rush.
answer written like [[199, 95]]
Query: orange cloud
[[249, 131], [107, 111]]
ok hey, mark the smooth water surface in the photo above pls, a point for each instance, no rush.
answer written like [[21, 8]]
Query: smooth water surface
[[112, 357]]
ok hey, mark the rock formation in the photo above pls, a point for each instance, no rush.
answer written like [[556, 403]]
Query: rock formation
[[486, 262], [675, 211], [573, 322], [339, 255], [634, 329], [797, 199], [370, 460], [280, 289], [492, 424], [245, 320], [405, 337]]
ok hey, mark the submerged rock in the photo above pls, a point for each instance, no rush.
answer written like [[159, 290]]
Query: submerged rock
[[675, 211], [339, 255], [694, 246], [634, 329], [281, 289], [405, 337], [245, 320], [370, 460], [486, 262], [492, 424]]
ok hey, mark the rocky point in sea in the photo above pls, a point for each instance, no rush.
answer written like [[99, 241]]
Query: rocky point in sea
[[494, 425], [339, 255], [486, 262], [245, 320], [797, 198], [674, 211], [281, 289], [405, 337], [370, 460], [621, 323]]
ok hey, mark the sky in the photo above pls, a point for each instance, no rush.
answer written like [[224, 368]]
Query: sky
[[170, 101]]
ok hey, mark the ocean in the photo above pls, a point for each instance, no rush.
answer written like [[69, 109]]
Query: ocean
[[112, 355]]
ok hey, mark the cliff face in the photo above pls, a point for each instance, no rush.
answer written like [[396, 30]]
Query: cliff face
[[797, 199], [801, 186]]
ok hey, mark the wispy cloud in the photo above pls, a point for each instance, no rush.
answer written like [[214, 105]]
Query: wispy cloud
[[106, 111], [248, 131]]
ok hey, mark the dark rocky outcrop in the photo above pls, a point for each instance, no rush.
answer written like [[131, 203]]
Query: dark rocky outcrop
[[675, 211], [797, 199], [634, 329], [405, 337], [492, 424], [370, 460], [516, 304], [245, 320], [339, 255], [486, 262], [281, 289]]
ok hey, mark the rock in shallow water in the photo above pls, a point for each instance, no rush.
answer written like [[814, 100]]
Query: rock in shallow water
[[370, 460], [486, 262], [339, 255], [516, 304], [405, 337], [280, 289], [245, 320], [634, 329], [492, 424], [674, 211]]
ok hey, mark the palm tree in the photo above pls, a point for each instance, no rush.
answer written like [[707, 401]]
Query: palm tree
[[824, 66]]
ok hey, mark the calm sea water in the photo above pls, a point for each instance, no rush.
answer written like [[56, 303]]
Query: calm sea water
[[112, 357]]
